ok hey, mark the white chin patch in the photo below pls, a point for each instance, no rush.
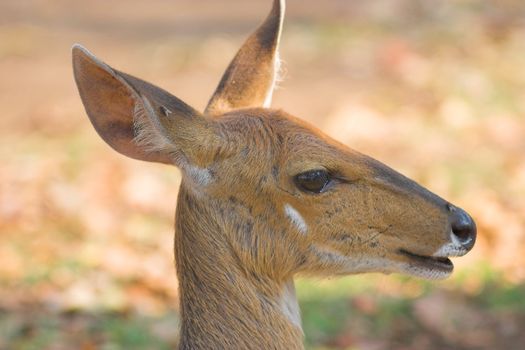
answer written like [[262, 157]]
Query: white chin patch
[[424, 273], [296, 218]]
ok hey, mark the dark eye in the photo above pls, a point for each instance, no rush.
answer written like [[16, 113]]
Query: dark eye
[[313, 181]]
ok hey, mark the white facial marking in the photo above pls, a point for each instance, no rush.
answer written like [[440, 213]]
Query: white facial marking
[[289, 305], [296, 218], [200, 176], [451, 249]]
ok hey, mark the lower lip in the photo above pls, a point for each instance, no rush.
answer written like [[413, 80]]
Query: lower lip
[[441, 264]]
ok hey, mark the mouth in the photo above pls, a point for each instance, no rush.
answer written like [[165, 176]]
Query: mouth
[[431, 263]]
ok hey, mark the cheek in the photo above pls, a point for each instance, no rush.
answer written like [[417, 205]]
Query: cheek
[[348, 225]]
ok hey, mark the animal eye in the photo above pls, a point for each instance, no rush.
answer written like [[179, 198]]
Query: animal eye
[[314, 181]]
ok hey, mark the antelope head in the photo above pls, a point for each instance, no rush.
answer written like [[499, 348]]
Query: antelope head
[[264, 190]]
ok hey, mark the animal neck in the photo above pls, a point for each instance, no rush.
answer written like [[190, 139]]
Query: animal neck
[[223, 305]]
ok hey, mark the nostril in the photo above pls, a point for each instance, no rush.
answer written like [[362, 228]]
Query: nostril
[[463, 232], [463, 228]]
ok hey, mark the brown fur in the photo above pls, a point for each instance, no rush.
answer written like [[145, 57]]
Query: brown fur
[[243, 227]]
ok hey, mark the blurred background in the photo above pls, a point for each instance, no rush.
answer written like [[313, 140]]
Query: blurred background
[[435, 89]]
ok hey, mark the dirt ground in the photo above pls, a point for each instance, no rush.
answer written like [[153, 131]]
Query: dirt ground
[[433, 89]]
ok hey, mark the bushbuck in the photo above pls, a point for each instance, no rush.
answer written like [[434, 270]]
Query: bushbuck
[[265, 196]]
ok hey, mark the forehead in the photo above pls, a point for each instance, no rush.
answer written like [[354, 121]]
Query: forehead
[[285, 139], [275, 126]]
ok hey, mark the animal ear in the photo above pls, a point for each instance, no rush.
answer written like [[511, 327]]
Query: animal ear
[[250, 78], [136, 118]]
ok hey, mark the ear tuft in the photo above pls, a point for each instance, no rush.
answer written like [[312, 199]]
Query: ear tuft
[[146, 135]]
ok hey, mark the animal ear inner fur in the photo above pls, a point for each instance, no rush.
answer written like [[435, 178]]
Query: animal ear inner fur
[[137, 118]]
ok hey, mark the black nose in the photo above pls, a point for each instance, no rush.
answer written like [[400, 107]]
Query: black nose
[[463, 227]]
